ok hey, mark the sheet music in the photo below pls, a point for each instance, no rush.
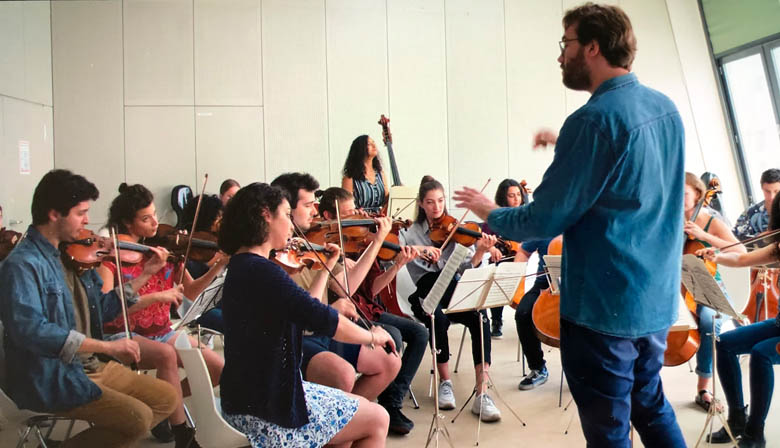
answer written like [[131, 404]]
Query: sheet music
[[553, 266], [486, 287], [207, 300], [506, 280], [445, 277], [703, 287]]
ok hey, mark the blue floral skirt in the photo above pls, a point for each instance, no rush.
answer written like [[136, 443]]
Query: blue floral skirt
[[329, 412]]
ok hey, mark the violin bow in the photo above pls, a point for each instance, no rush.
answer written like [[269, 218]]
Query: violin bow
[[455, 227], [125, 316], [363, 318], [751, 240], [192, 230]]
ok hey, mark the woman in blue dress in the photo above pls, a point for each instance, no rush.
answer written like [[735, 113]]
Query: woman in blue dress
[[265, 313]]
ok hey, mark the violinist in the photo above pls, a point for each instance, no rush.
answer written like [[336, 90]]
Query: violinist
[[326, 361], [430, 207], [53, 329], [208, 221], [614, 190], [402, 329], [759, 340], [756, 218], [363, 175], [227, 190], [508, 194], [710, 232], [263, 394], [133, 214]]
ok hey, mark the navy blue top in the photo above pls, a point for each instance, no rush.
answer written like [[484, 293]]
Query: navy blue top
[[615, 191], [36, 307], [265, 313], [539, 246]]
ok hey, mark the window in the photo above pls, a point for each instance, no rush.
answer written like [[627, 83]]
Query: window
[[750, 78]]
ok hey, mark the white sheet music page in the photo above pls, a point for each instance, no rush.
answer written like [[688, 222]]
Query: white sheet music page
[[472, 288], [704, 288], [553, 266], [506, 280], [445, 277]]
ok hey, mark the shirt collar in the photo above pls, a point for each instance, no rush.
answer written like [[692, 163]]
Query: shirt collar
[[43, 244], [614, 83]]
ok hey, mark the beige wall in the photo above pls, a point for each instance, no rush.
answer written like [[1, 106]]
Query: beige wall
[[162, 91], [25, 105]]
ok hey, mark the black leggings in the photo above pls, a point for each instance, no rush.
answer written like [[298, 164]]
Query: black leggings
[[471, 319]]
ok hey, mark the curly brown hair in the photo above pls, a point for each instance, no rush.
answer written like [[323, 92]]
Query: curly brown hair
[[607, 25], [243, 224]]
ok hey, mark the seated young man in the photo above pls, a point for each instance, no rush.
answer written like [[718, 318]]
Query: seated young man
[[53, 333], [328, 362], [403, 330]]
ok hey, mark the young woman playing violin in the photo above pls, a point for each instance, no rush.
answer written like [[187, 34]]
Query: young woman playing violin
[[708, 231], [403, 330], [262, 392], [326, 361], [759, 340], [133, 214], [363, 175], [431, 206], [508, 194]]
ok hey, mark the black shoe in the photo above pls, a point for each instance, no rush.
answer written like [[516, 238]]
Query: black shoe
[[496, 331], [737, 420], [399, 423], [185, 436], [162, 432]]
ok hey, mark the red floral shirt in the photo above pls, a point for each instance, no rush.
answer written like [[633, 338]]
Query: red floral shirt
[[153, 320]]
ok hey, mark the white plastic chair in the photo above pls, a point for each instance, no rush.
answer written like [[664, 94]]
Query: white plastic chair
[[212, 429]]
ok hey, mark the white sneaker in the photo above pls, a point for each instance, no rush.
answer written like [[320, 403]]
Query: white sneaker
[[490, 412], [446, 395]]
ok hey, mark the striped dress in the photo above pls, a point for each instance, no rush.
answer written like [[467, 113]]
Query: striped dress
[[370, 197]]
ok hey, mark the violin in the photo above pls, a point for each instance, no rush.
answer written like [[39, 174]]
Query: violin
[[297, 255], [204, 244], [466, 234], [90, 249], [683, 344], [546, 314], [8, 240], [357, 232]]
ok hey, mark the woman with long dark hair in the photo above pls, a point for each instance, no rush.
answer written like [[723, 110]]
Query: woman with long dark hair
[[363, 175]]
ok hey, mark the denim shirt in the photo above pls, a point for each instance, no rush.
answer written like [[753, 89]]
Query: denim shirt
[[615, 191], [36, 307]]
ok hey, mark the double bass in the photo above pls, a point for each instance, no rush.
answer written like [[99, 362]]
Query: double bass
[[683, 344]]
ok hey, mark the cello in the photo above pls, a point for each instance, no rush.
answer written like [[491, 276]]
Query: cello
[[546, 314], [763, 300], [683, 344]]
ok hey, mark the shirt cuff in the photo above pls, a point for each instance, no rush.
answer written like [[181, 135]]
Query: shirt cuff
[[71, 347], [131, 296]]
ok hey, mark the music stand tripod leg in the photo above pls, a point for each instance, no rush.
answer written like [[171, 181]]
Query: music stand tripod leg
[[437, 424], [715, 408]]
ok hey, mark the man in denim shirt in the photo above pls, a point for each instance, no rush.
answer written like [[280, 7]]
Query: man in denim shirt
[[615, 191], [52, 329]]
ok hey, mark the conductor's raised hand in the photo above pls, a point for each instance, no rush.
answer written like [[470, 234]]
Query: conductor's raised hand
[[544, 137], [475, 201]]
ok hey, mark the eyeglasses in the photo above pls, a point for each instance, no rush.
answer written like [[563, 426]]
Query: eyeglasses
[[562, 43]]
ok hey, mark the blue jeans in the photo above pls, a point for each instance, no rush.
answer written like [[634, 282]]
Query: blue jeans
[[614, 380], [706, 323], [759, 340]]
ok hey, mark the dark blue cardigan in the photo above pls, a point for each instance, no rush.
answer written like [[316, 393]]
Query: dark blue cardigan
[[265, 313]]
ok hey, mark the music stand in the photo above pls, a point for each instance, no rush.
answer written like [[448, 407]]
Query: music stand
[[429, 305], [401, 203], [207, 300], [706, 291], [479, 289]]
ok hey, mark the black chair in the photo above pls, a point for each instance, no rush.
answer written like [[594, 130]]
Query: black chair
[[180, 196]]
